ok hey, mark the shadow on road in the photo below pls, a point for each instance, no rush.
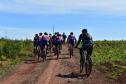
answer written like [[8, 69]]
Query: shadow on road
[[65, 54], [72, 75], [59, 58], [31, 61]]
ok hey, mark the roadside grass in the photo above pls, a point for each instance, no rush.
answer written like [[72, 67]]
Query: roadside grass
[[13, 52], [110, 57]]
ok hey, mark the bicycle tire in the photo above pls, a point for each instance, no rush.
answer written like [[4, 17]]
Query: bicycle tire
[[82, 61], [81, 66], [71, 50], [88, 66]]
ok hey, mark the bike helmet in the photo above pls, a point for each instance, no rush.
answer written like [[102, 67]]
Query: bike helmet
[[36, 35], [46, 33], [55, 33], [84, 31], [50, 34], [71, 33], [40, 33]]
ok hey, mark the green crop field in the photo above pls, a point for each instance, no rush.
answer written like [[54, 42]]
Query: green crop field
[[108, 56], [13, 52]]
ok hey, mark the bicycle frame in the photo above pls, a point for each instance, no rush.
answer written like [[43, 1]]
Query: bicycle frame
[[57, 50], [87, 62]]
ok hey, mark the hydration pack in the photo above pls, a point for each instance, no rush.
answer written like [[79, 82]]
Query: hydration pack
[[87, 40]]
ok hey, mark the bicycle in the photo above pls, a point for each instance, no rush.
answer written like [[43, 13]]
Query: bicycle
[[50, 46], [42, 53], [87, 62], [36, 51], [57, 50], [71, 50]]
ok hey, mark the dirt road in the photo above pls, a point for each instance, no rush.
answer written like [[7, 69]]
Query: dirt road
[[53, 71]]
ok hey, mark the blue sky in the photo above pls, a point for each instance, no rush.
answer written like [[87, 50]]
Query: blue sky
[[104, 19]]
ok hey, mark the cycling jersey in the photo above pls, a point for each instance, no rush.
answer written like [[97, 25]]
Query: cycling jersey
[[45, 40], [45, 37], [36, 41], [71, 39], [40, 40], [86, 39], [57, 40]]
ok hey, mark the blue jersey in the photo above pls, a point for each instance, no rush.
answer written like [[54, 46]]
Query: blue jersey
[[86, 39], [71, 39], [57, 40]]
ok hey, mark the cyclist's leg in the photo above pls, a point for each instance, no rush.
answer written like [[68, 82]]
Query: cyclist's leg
[[72, 48], [68, 46], [89, 52], [59, 47], [81, 54]]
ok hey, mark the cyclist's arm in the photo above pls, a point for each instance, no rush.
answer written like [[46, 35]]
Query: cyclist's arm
[[75, 39], [68, 39], [34, 40], [79, 40]]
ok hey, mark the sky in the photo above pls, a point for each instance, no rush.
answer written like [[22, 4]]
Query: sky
[[104, 19]]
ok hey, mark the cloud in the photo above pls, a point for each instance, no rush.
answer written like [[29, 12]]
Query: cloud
[[61, 6]]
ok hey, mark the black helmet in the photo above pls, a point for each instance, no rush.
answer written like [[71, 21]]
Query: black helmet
[[46, 33], [55, 33], [36, 35], [58, 33], [84, 31], [50, 34], [40, 33], [71, 33]]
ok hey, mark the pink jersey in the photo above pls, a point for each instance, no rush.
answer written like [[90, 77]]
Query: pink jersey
[[45, 37], [40, 38]]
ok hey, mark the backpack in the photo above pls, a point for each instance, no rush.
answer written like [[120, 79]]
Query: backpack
[[87, 40]]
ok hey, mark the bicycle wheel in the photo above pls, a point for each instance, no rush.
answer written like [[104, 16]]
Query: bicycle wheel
[[82, 61], [81, 66], [44, 54], [88, 66], [57, 51], [70, 50], [39, 52]]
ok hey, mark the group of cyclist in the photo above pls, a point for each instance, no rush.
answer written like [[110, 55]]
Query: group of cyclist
[[49, 40]]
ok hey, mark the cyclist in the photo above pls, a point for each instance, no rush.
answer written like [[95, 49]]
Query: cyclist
[[40, 39], [71, 39], [50, 38], [53, 37], [36, 41], [57, 39], [50, 41], [64, 38], [61, 39], [36, 44], [45, 41], [87, 43]]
